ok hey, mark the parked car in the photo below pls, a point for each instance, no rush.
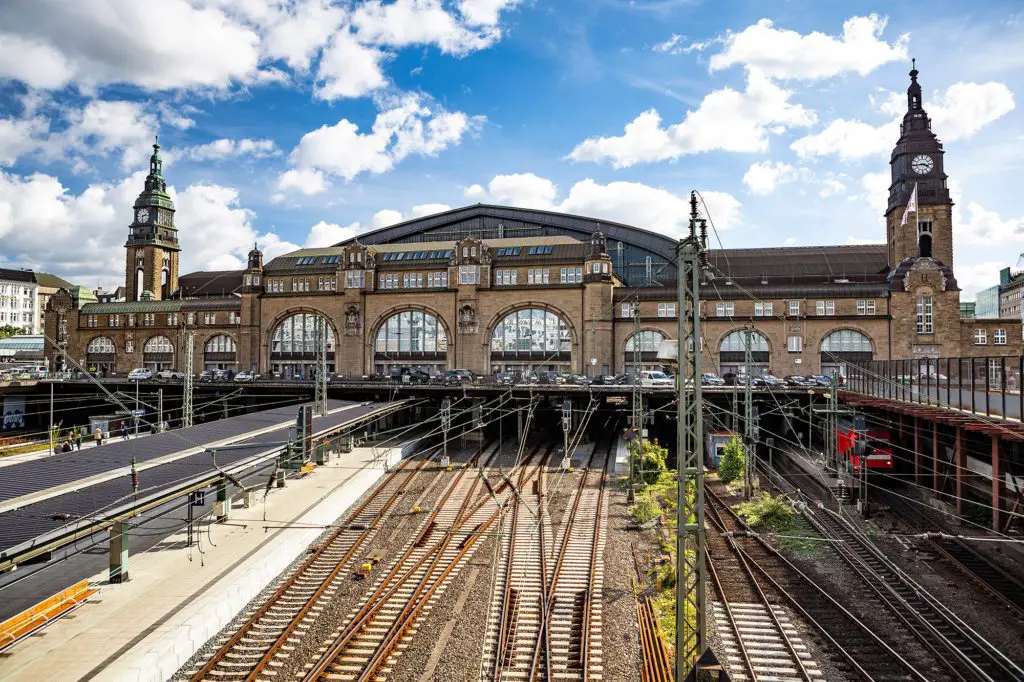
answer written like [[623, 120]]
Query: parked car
[[140, 374], [550, 378], [246, 377], [772, 381], [734, 379], [711, 379], [409, 375], [577, 380], [656, 378], [206, 376], [458, 376], [170, 375], [798, 380], [507, 378], [821, 380], [222, 375], [607, 380]]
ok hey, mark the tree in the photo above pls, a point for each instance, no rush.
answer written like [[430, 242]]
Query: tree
[[10, 330], [650, 462], [730, 467]]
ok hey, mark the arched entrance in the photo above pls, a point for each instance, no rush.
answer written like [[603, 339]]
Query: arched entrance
[[732, 352], [529, 340], [293, 346], [158, 353], [100, 356], [411, 338], [220, 352], [842, 347], [649, 340]]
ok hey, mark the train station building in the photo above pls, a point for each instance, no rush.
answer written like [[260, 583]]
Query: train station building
[[496, 288]]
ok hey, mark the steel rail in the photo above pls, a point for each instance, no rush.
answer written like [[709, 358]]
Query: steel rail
[[858, 554], [287, 585], [560, 560], [380, 596], [717, 520], [426, 587], [656, 663]]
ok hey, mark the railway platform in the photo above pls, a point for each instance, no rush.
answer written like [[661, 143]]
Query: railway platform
[[180, 596]]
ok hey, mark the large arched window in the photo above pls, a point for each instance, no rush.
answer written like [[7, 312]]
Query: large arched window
[[100, 355], [219, 352], [531, 339], [158, 353], [411, 338], [293, 346], [100, 345], [647, 342], [842, 347], [732, 352]]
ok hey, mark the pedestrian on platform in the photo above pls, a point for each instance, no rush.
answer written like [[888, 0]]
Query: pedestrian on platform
[[66, 447], [124, 433], [97, 436], [78, 438]]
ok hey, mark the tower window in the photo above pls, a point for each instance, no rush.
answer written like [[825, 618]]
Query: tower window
[[925, 323]]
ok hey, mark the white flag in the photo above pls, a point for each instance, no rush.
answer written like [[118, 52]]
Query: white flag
[[911, 205]]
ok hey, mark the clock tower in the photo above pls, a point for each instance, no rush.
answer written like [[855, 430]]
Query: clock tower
[[151, 262], [917, 161]]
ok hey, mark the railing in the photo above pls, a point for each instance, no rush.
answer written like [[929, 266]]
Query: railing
[[989, 385]]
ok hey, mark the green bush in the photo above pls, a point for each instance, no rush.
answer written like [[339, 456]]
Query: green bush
[[646, 507], [767, 511], [650, 462], [730, 467]]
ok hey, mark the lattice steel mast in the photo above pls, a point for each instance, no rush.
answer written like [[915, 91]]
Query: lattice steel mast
[[636, 443], [320, 395], [186, 400], [690, 614]]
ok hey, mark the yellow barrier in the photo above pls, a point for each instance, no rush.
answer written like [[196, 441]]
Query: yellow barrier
[[46, 611]]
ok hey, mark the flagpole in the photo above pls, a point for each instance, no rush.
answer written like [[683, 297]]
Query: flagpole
[[917, 220]]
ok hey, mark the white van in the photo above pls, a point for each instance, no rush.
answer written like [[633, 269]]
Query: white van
[[655, 378]]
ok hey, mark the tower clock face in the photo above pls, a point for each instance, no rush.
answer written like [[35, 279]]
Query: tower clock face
[[142, 215], [922, 164]]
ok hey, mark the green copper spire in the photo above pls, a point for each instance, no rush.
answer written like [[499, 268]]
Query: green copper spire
[[155, 180]]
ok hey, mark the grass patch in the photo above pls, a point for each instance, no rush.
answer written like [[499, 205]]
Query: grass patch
[[767, 512], [9, 450]]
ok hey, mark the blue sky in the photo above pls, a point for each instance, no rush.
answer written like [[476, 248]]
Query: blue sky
[[303, 122]]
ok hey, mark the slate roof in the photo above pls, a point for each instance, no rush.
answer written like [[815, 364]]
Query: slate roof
[[209, 283], [17, 275], [45, 279]]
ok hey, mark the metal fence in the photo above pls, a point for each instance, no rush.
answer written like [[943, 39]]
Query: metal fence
[[983, 385]]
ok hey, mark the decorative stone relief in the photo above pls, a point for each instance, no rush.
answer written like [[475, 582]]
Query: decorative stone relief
[[353, 324], [467, 320]]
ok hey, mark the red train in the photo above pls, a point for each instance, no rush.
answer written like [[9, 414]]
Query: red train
[[877, 447]]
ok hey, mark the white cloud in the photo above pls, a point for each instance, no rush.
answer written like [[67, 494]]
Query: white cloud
[[46, 226], [671, 46], [349, 69], [876, 191], [831, 187], [974, 277], [959, 112], [328, 234], [304, 181], [103, 126], [177, 115], [982, 226], [966, 108], [17, 137], [409, 128], [90, 43], [421, 22], [484, 12], [764, 176], [427, 209], [520, 189], [298, 30], [781, 53], [225, 147], [632, 203], [726, 120], [385, 218]]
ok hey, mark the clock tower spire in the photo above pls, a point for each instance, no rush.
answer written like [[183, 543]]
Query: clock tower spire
[[151, 262], [917, 161]]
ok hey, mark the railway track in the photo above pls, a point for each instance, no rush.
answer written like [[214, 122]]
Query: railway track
[[545, 619], [367, 645], [988, 575], [761, 639], [265, 633], [656, 663], [853, 646], [966, 655]]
